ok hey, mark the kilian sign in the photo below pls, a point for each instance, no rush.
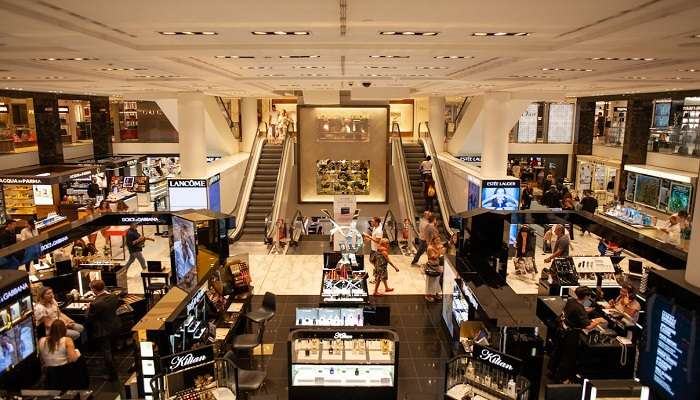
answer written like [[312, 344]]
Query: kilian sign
[[188, 359], [496, 359]]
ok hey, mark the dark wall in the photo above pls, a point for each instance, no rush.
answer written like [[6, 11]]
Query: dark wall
[[585, 124], [48, 128], [101, 127]]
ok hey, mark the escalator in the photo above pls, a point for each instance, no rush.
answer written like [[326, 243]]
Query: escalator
[[414, 154], [263, 194]]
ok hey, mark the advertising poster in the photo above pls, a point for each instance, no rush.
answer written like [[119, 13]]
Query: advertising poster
[[647, 190], [215, 193], [185, 253], [343, 209], [43, 195], [664, 193], [187, 193], [680, 198], [561, 121], [474, 194], [631, 185], [585, 176], [343, 125], [500, 195], [662, 113], [527, 125], [342, 177]]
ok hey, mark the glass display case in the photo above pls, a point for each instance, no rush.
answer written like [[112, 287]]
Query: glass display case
[[478, 376], [308, 316], [350, 363], [344, 279]]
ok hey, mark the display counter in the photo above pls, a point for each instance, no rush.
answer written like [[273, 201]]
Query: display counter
[[572, 272], [646, 232], [344, 280], [329, 316], [51, 221], [349, 363]]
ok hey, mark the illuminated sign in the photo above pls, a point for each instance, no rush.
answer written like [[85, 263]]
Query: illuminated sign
[[80, 174], [193, 183], [188, 359], [54, 243], [20, 181], [10, 294], [342, 336], [496, 359]]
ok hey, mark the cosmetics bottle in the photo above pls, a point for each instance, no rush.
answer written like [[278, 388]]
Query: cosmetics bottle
[[511, 388], [357, 371]]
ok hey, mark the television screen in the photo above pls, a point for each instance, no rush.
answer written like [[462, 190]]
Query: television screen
[[664, 193], [667, 360], [128, 182], [474, 193], [631, 183], [16, 344], [647, 190], [500, 195], [662, 112], [679, 199], [185, 252]]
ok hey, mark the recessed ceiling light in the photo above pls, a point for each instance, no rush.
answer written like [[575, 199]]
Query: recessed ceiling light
[[282, 33], [66, 59], [689, 70], [622, 58], [234, 57], [52, 77], [121, 69], [314, 75], [156, 76], [7, 78], [636, 78], [501, 34], [270, 75], [696, 36], [255, 67], [568, 69], [431, 67], [388, 56], [379, 67], [259, 33], [301, 33], [452, 57], [299, 56], [532, 76], [308, 67], [190, 33], [408, 33]]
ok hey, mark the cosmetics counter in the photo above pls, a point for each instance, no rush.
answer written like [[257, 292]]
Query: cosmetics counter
[[344, 279], [568, 273], [358, 363]]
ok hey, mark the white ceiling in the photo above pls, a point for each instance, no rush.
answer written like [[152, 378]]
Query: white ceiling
[[564, 34]]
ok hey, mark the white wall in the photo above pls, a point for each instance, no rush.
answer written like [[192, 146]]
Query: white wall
[[680, 163], [231, 169], [611, 153], [456, 174], [146, 148]]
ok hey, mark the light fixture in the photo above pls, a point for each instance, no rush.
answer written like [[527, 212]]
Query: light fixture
[[451, 57], [66, 59], [281, 33], [255, 67], [696, 36], [270, 75], [568, 69], [189, 33], [636, 78], [234, 57], [431, 67], [408, 33], [379, 67], [658, 172], [501, 34], [314, 75], [156, 76], [532, 76], [308, 67], [622, 59], [121, 69], [388, 56], [299, 56], [52, 77], [7, 78], [689, 70]]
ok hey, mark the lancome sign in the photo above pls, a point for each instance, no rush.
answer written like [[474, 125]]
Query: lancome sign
[[187, 193], [496, 359], [188, 359]]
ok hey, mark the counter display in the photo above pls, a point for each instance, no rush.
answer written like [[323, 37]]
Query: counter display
[[631, 216], [307, 316], [572, 272], [344, 287], [346, 364]]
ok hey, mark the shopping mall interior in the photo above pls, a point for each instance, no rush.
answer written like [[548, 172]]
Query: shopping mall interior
[[376, 200]]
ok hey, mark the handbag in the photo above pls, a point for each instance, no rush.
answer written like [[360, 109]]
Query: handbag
[[432, 270]]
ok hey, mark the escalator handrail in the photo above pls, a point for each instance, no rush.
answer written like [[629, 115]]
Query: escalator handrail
[[403, 176], [298, 214], [274, 215], [248, 181], [443, 198]]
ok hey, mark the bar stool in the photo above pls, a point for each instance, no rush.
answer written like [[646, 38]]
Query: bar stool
[[249, 341], [266, 312], [154, 283], [246, 380]]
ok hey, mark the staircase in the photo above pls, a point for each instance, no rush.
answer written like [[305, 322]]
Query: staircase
[[415, 154], [263, 194]]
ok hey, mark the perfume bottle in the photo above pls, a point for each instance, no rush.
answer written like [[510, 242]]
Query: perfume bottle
[[357, 371], [511, 388], [332, 371]]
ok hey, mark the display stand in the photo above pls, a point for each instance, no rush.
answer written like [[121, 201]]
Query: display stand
[[343, 279], [572, 272], [349, 364]]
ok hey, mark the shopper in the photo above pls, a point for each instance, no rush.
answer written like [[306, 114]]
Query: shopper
[[589, 204], [273, 121], [8, 235], [525, 242], [551, 198], [28, 231], [548, 182], [426, 231], [561, 246], [102, 313], [46, 312], [433, 269], [374, 239], [527, 196], [122, 206], [669, 231], [626, 302], [563, 362], [381, 273], [429, 192], [135, 243], [57, 352], [426, 167], [93, 189]]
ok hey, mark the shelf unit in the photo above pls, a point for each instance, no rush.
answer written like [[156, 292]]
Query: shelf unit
[[3, 218], [128, 120], [691, 117], [19, 200]]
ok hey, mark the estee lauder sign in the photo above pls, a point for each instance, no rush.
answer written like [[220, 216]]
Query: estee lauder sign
[[188, 359], [496, 359]]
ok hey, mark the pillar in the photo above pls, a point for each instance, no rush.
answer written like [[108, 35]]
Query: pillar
[[585, 125], [436, 121], [193, 149], [101, 126], [692, 265], [495, 129], [249, 122], [634, 146], [48, 128]]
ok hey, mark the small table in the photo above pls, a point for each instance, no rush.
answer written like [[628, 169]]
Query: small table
[[117, 231]]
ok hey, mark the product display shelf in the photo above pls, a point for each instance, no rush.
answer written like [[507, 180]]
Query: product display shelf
[[691, 116], [3, 217], [468, 376], [19, 200], [344, 287], [348, 363]]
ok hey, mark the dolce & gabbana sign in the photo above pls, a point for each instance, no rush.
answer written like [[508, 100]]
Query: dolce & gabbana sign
[[13, 292], [188, 359], [143, 220], [47, 246], [187, 183], [496, 359]]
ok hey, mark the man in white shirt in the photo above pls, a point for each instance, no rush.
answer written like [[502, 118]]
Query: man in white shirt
[[426, 167], [273, 120], [376, 237]]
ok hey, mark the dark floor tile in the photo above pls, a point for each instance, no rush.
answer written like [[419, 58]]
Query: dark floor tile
[[406, 369], [416, 320], [276, 368], [408, 386], [429, 367], [418, 334], [433, 387], [426, 349], [408, 309]]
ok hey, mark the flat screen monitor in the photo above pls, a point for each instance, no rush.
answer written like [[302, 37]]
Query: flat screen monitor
[[635, 267], [647, 190], [128, 182], [85, 276], [64, 267], [185, 253], [154, 266], [18, 344], [679, 199]]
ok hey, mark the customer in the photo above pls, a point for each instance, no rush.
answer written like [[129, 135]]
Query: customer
[[525, 242], [381, 273], [548, 182], [669, 231], [104, 207], [46, 312], [527, 196], [28, 231], [551, 198], [273, 121], [426, 231], [57, 351], [135, 243], [93, 189], [561, 246], [122, 206], [433, 270], [375, 238], [589, 204], [102, 313], [426, 167], [563, 362], [8, 235], [626, 302], [429, 192]]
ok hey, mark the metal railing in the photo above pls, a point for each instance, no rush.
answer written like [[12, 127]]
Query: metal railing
[[233, 126], [285, 166], [443, 197], [248, 180]]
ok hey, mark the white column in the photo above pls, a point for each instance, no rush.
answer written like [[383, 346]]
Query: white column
[[193, 149], [692, 265], [494, 151], [249, 122], [436, 113]]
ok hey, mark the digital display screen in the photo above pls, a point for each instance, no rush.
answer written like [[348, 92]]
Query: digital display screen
[[668, 362], [647, 190], [474, 193], [215, 195], [128, 182], [185, 252], [679, 200], [500, 195], [662, 112]]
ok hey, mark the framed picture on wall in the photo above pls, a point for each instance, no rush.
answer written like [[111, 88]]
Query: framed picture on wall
[[401, 113]]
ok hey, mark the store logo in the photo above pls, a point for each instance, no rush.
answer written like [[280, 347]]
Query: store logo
[[342, 336], [131, 163], [470, 159], [80, 174], [54, 243], [19, 181], [194, 183], [14, 292], [186, 360], [495, 359], [214, 179], [140, 220], [501, 183]]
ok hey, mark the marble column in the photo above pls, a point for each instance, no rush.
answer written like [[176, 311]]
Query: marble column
[[494, 153], [102, 129], [249, 122], [634, 147], [436, 122], [585, 125], [193, 149], [48, 128]]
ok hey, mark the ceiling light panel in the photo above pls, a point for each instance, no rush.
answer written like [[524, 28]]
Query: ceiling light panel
[[622, 59], [66, 59], [281, 33], [636, 78], [431, 67], [451, 57], [486, 34], [7, 78], [300, 56], [388, 56], [308, 67], [568, 69], [188, 33], [157, 76], [532, 76], [235, 57], [255, 67], [110, 69], [379, 67], [689, 70], [408, 33]]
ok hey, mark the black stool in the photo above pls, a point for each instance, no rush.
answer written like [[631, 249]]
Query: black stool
[[154, 283], [246, 380]]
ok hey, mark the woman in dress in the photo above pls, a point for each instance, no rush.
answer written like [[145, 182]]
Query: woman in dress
[[381, 273]]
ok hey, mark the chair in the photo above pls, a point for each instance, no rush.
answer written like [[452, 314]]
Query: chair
[[246, 380], [154, 283], [248, 341], [266, 312]]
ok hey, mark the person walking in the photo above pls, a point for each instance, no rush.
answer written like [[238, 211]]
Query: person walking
[[561, 246], [589, 204], [135, 243], [102, 314], [527, 196], [426, 231], [375, 238], [381, 273], [57, 352], [433, 269], [429, 192], [273, 120], [46, 312], [425, 167]]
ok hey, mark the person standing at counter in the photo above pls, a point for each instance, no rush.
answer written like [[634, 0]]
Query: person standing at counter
[[57, 350], [626, 302], [670, 231], [46, 311], [575, 317], [8, 234], [102, 314], [527, 196], [589, 204], [525, 242], [561, 246], [93, 189], [135, 243], [28, 231]]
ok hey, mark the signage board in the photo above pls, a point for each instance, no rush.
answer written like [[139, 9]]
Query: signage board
[[11, 293], [22, 181], [500, 194], [188, 359], [215, 193], [497, 359], [54, 243], [560, 127], [187, 193], [472, 158], [63, 109]]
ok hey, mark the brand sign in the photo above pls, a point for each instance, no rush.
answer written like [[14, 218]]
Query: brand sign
[[143, 220], [214, 179], [185, 183], [20, 181], [471, 158], [196, 299], [188, 359], [496, 359], [131, 163], [3, 108], [48, 246], [501, 184], [342, 336], [10, 294], [62, 109], [80, 174], [470, 295]]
